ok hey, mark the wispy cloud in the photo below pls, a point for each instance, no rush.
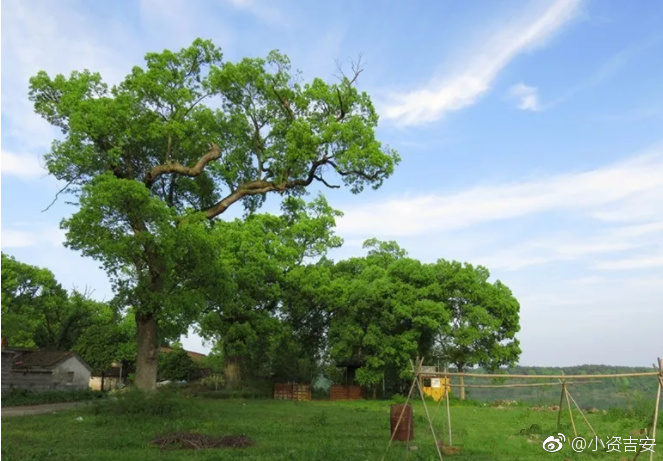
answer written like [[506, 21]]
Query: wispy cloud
[[609, 248], [636, 262], [22, 238], [526, 97], [607, 194], [56, 38], [472, 77], [24, 166]]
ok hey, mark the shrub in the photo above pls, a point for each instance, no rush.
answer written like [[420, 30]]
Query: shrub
[[642, 410], [235, 394], [176, 365], [136, 403], [19, 397], [212, 382]]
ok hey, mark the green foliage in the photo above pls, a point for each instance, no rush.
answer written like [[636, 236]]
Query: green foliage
[[38, 312], [108, 341], [178, 142], [244, 393], [135, 404], [176, 365], [260, 253], [642, 410], [387, 310], [214, 360], [21, 397], [484, 318], [27, 291]]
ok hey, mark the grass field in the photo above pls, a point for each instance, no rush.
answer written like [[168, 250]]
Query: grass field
[[285, 430]]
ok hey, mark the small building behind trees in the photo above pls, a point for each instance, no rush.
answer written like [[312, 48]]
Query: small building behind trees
[[43, 370]]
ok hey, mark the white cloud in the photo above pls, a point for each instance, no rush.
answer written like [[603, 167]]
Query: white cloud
[[57, 38], [636, 262], [593, 248], [24, 166], [22, 238], [527, 97], [602, 193], [591, 220], [473, 76]]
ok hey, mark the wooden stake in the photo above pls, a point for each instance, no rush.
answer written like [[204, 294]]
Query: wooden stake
[[432, 430], [523, 384], [488, 375], [447, 380], [400, 417], [658, 401], [561, 402], [437, 409], [581, 412], [575, 432]]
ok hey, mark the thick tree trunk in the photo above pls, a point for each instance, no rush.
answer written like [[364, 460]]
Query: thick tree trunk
[[232, 372], [461, 381], [146, 352]]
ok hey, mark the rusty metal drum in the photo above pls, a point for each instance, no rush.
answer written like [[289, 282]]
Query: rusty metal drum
[[405, 430]]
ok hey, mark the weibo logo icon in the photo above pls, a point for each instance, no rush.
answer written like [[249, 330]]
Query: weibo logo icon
[[553, 444]]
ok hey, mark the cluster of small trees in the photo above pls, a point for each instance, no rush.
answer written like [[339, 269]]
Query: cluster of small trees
[[156, 159], [38, 312], [287, 320]]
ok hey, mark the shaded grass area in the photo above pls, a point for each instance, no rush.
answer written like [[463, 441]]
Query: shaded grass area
[[285, 430], [21, 397]]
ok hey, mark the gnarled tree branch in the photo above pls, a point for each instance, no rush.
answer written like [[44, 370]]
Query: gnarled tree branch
[[259, 187], [174, 167], [370, 177]]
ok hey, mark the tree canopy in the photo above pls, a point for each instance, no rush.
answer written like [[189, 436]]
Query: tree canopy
[[38, 312], [386, 310], [259, 252], [152, 159], [484, 318]]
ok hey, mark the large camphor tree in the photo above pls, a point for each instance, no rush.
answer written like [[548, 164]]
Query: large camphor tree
[[155, 158]]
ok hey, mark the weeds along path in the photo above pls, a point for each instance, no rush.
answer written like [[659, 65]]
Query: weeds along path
[[39, 409]]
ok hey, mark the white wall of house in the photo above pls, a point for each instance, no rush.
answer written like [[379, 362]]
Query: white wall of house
[[71, 373]]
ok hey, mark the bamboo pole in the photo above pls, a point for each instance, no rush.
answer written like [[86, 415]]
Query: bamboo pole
[[446, 393], [407, 439], [437, 409], [658, 401], [581, 412], [430, 424], [521, 385], [561, 402], [508, 376], [568, 404], [400, 417]]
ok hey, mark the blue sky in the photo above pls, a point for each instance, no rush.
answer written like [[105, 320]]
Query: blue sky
[[531, 135]]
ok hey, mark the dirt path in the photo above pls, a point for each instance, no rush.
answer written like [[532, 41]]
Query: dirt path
[[39, 409]]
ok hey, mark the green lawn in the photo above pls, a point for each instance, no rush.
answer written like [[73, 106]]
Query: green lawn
[[285, 430]]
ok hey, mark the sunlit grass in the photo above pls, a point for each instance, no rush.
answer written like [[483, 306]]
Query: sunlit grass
[[285, 430]]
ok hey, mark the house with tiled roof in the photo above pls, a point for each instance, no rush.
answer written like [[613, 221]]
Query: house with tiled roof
[[41, 370], [195, 356]]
